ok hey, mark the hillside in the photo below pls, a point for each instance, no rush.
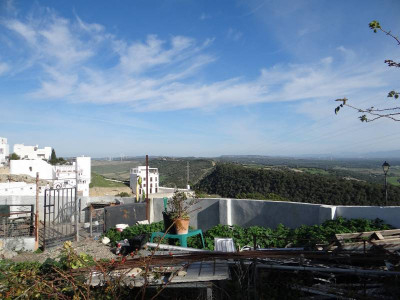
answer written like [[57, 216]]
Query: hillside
[[172, 170], [230, 180]]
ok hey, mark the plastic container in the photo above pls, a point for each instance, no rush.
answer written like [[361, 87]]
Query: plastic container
[[121, 227]]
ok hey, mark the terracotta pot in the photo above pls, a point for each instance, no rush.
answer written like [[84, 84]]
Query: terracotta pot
[[182, 226]]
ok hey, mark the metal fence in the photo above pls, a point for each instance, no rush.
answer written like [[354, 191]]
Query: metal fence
[[17, 221], [96, 221], [61, 217]]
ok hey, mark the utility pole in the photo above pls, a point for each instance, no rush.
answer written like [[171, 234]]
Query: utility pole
[[187, 175], [147, 189], [37, 213]]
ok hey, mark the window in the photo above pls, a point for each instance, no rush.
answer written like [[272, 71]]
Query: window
[[144, 185], [30, 169], [156, 179], [156, 190], [151, 178], [144, 178]]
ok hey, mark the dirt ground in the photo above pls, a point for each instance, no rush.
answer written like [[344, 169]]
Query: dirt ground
[[87, 245], [4, 170], [108, 191]]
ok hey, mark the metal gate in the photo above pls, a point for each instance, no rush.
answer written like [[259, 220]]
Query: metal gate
[[61, 217]]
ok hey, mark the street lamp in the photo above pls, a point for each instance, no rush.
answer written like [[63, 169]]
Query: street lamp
[[385, 168]]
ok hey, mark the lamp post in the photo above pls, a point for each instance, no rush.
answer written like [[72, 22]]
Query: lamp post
[[385, 168]]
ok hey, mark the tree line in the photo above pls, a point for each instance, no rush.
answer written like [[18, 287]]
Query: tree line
[[235, 181]]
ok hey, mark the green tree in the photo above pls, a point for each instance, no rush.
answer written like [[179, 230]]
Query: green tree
[[14, 156], [374, 113], [53, 158]]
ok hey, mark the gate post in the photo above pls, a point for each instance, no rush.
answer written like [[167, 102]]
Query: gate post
[[37, 213], [76, 215]]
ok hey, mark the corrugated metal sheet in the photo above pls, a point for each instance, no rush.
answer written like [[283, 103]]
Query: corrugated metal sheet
[[224, 245]]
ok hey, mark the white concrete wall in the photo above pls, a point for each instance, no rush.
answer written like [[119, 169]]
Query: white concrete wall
[[390, 214], [61, 176], [4, 151], [32, 152], [19, 188], [213, 211], [84, 174], [30, 167], [271, 213]]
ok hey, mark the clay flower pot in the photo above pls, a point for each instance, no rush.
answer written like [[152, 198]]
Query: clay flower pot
[[182, 226]]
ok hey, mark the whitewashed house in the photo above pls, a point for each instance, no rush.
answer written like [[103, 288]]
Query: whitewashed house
[[20, 189], [4, 151], [139, 174], [32, 152], [62, 176]]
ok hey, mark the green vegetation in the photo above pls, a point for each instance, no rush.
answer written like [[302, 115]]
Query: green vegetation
[[123, 194], [281, 236], [393, 180], [14, 156], [100, 181], [173, 171], [235, 181], [56, 161], [132, 231]]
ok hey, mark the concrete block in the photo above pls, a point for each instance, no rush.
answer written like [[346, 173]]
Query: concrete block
[[18, 243]]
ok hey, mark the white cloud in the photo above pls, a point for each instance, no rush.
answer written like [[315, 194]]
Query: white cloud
[[158, 74], [3, 68], [204, 16], [234, 34]]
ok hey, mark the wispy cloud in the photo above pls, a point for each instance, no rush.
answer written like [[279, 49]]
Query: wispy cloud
[[157, 74], [204, 16], [234, 34], [3, 67]]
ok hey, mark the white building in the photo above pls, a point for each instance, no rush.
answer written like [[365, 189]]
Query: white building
[[62, 176], [4, 151], [32, 152], [20, 189], [140, 172]]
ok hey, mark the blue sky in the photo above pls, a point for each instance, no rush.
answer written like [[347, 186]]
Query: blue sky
[[196, 78]]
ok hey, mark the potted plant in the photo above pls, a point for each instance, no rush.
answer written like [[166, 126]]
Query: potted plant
[[179, 211]]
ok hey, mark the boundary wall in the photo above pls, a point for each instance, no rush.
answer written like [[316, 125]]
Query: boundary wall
[[245, 212], [267, 213]]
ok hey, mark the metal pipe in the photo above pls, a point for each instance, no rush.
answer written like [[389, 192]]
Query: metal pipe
[[76, 215], [37, 213], [330, 270], [171, 247], [147, 189], [386, 193]]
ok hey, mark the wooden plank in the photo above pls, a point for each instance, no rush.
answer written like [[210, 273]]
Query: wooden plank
[[377, 242], [389, 244], [377, 235], [347, 236]]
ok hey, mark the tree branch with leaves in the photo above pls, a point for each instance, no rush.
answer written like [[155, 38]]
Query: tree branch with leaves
[[372, 112]]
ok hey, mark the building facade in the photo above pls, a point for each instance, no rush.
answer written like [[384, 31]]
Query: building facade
[[138, 180], [61, 176], [4, 151], [32, 152]]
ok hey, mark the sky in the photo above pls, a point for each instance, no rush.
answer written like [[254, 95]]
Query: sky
[[196, 78]]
